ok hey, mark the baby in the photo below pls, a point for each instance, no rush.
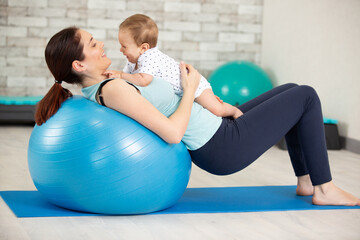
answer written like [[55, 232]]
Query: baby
[[138, 36]]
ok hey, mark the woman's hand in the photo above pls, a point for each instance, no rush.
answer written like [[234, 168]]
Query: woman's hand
[[190, 77]]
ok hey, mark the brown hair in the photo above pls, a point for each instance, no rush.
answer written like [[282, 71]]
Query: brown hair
[[142, 29], [62, 49]]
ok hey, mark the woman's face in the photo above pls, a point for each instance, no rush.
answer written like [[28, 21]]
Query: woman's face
[[95, 59]]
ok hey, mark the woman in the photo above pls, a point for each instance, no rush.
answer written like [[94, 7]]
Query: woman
[[219, 146]]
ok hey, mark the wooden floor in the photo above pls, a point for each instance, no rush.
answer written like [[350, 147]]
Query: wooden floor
[[273, 168]]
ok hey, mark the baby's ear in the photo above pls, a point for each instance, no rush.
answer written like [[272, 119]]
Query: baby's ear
[[144, 47]]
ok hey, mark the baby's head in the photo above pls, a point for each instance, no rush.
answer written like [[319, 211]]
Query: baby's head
[[137, 34]]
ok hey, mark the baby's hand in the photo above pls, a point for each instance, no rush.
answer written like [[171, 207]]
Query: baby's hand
[[112, 74], [238, 113]]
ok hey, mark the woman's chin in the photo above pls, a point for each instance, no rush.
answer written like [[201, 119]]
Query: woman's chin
[[108, 62]]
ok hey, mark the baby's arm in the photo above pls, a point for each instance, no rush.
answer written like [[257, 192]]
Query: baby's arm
[[208, 100], [139, 79]]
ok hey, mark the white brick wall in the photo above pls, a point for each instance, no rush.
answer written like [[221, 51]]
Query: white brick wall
[[217, 47], [2, 62], [136, 5], [47, 12], [219, 27], [182, 26], [27, 3], [236, 37], [25, 42], [13, 31], [102, 23], [203, 33], [199, 56], [68, 4], [170, 36], [65, 22], [253, 10], [182, 7], [224, 8], [106, 4], [26, 82], [27, 21], [200, 36]]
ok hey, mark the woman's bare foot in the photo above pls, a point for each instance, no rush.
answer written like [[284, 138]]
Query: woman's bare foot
[[329, 194], [304, 186]]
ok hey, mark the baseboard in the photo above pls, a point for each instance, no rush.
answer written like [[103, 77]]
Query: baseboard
[[350, 144]]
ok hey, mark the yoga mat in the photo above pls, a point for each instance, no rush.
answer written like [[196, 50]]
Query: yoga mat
[[194, 200]]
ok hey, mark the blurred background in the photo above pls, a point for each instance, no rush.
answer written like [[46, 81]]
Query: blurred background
[[305, 42]]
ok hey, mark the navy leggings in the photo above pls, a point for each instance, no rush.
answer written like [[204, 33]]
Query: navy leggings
[[289, 110]]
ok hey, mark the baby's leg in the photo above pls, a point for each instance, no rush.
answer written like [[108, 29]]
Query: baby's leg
[[208, 100]]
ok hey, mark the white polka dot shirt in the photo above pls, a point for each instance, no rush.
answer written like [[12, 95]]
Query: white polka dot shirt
[[160, 65]]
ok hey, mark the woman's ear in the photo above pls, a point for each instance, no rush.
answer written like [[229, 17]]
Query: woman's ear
[[144, 47], [78, 66]]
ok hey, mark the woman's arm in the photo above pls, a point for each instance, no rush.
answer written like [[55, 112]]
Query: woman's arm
[[124, 98]]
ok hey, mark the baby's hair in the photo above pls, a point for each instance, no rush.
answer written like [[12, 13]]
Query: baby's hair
[[142, 28]]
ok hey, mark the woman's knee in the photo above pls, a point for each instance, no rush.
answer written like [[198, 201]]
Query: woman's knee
[[291, 85], [308, 89], [310, 92]]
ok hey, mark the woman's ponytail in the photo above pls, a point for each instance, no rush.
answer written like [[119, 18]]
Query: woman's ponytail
[[62, 49], [51, 103]]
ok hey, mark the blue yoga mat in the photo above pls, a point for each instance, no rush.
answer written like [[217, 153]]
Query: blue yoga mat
[[194, 200]]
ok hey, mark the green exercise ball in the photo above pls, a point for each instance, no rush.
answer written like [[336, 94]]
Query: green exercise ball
[[239, 81]]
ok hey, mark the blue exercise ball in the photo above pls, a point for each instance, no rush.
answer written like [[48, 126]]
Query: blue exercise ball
[[93, 159], [239, 81]]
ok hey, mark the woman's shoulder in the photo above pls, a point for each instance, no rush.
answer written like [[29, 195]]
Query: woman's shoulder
[[117, 86], [114, 82]]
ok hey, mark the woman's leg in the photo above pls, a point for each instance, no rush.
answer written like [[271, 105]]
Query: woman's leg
[[240, 142], [304, 182], [265, 96]]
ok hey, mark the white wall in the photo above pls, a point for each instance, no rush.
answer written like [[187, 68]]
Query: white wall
[[317, 43]]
